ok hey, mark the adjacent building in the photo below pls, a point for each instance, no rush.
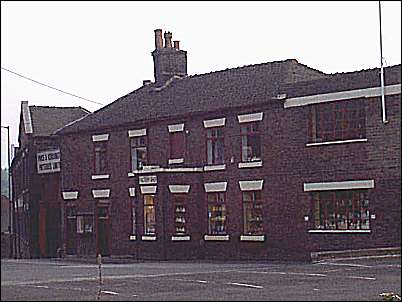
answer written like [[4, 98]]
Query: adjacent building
[[35, 172], [268, 161]]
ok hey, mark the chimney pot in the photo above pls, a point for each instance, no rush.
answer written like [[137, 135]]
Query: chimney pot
[[158, 38], [168, 39], [176, 44]]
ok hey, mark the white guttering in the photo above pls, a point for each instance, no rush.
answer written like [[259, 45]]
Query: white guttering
[[342, 95], [339, 185]]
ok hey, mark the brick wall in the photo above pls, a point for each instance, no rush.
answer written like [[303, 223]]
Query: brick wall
[[287, 164]]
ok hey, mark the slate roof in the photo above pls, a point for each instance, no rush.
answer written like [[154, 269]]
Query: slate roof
[[242, 86], [46, 119], [344, 81], [212, 91]]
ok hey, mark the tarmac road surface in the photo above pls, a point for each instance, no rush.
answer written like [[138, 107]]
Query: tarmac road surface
[[349, 279]]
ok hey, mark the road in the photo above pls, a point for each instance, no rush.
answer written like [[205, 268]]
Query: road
[[349, 279]]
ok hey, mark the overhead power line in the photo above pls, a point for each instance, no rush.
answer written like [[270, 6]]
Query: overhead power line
[[37, 82]]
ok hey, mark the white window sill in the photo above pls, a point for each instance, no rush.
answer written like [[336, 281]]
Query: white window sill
[[133, 237], [250, 164], [339, 231], [103, 176], [358, 140], [148, 238], [215, 167], [252, 237], [216, 237], [180, 238], [176, 161], [130, 174]]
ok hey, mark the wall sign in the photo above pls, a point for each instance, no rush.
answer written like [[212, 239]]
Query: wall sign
[[147, 180], [48, 161]]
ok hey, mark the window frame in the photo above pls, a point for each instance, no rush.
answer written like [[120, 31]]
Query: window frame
[[214, 138], [145, 223], [183, 144], [353, 202], [254, 202], [102, 152], [145, 145], [217, 202], [183, 202], [248, 134], [82, 222], [337, 121]]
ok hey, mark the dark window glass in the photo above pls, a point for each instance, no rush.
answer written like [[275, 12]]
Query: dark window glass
[[340, 120], [180, 214], [100, 158], [215, 146], [252, 213], [139, 157], [216, 214], [341, 210], [149, 215], [250, 142]]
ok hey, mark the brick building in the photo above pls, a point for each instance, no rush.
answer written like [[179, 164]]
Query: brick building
[[268, 161], [36, 180]]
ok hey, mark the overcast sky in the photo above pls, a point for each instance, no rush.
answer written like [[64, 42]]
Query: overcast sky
[[102, 50]]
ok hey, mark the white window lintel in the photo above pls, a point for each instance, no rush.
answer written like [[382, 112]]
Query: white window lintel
[[215, 186], [176, 128], [251, 117], [339, 185], [218, 122], [251, 185], [100, 137], [137, 132]]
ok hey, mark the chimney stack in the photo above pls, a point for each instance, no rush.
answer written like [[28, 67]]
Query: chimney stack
[[169, 61], [158, 38], [168, 39]]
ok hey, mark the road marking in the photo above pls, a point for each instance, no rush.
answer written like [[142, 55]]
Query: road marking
[[365, 257], [315, 289], [309, 274], [109, 292], [201, 281], [246, 285], [285, 273], [344, 264], [359, 277], [41, 286]]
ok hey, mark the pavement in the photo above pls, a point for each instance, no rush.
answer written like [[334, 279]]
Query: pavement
[[357, 279]]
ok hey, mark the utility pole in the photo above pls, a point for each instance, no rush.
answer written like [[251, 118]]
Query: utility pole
[[384, 117], [10, 205]]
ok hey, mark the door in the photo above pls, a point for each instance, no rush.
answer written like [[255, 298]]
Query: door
[[103, 231], [42, 229], [71, 233]]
